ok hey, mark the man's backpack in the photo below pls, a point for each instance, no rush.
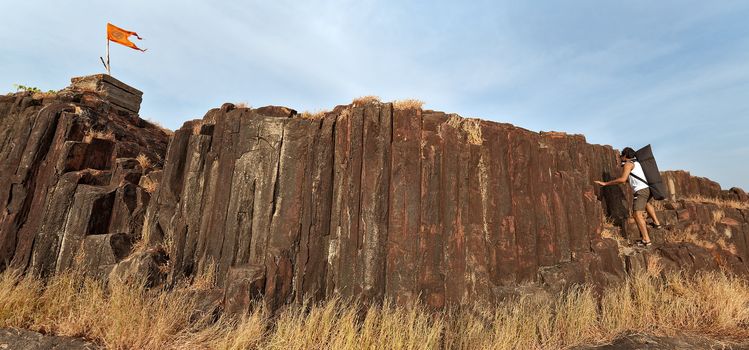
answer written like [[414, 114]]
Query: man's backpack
[[650, 168]]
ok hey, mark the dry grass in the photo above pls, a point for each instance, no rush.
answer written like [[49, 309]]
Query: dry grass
[[658, 205], [208, 278], [121, 317], [609, 230], [148, 184], [317, 115], [363, 100], [124, 317], [98, 134], [723, 203], [472, 128], [139, 245], [144, 161], [242, 105], [408, 104], [197, 126], [608, 222], [158, 125], [688, 235], [42, 95], [730, 247]]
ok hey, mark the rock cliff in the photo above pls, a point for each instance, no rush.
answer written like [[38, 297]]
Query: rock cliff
[[371, 200], [376, 201], [72, 169]]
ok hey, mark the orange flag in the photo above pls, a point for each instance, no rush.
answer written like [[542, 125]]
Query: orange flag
[[120, 36]]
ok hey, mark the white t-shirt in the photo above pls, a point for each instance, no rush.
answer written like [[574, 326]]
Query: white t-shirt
[[635, 183]]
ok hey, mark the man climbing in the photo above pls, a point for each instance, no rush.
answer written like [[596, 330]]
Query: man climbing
[[633, 171]]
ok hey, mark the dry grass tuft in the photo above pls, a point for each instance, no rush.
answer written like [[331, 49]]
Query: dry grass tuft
[[658, 205], [729, 247], [144, 161], [139, 245], [208, 278], [408, 104], [688, 235], [653, 266], [363, 100], [313, 115], [210, 119], [197, 126], [127, 317], [158, 125], [472, 128], [608, 222], [609, 230], [148, 184], [242, 105], [723, 203], [717, 215], [43, 95], [150, 187], [90, 135]]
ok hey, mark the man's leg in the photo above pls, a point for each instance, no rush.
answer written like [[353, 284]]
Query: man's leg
[[651, 213], [640, 219]]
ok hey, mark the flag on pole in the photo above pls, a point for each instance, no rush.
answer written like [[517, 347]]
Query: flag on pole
[[121, 36]]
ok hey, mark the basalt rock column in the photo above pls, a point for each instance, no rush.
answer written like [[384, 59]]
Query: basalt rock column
[[371, 200], [69, 180], [374, 201]]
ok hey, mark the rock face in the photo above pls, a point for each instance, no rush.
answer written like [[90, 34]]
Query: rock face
[[682, 184], [69, 178], [371, 200], [376, 201], [118, 94]]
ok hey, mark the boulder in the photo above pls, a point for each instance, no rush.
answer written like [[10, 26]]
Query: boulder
[[142, 268]]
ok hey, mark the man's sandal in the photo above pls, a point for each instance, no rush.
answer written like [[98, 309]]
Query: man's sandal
[[641, 243], [655, 226]]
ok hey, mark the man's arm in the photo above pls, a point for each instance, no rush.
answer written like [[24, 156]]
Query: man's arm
[[621, 179]]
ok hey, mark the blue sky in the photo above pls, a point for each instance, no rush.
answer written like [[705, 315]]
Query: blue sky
[[671, 73]]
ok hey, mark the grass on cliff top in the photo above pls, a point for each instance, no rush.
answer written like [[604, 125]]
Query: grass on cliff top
[[723, 203], [363, 100], [124, 317]]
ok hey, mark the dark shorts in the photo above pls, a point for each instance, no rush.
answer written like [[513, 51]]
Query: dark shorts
[[641, 198]]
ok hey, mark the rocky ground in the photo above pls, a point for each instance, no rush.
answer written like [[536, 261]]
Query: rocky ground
[[20, 339], [679, 342], [28, 340]]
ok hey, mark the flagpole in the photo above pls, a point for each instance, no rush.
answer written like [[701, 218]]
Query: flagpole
[[108, 71]]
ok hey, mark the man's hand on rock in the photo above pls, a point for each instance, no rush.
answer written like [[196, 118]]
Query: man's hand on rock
[[600, 183]]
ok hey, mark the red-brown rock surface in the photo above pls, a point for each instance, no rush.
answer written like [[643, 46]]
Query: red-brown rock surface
[[682, 184], [368, 200], [377, 202], [69, 180]]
